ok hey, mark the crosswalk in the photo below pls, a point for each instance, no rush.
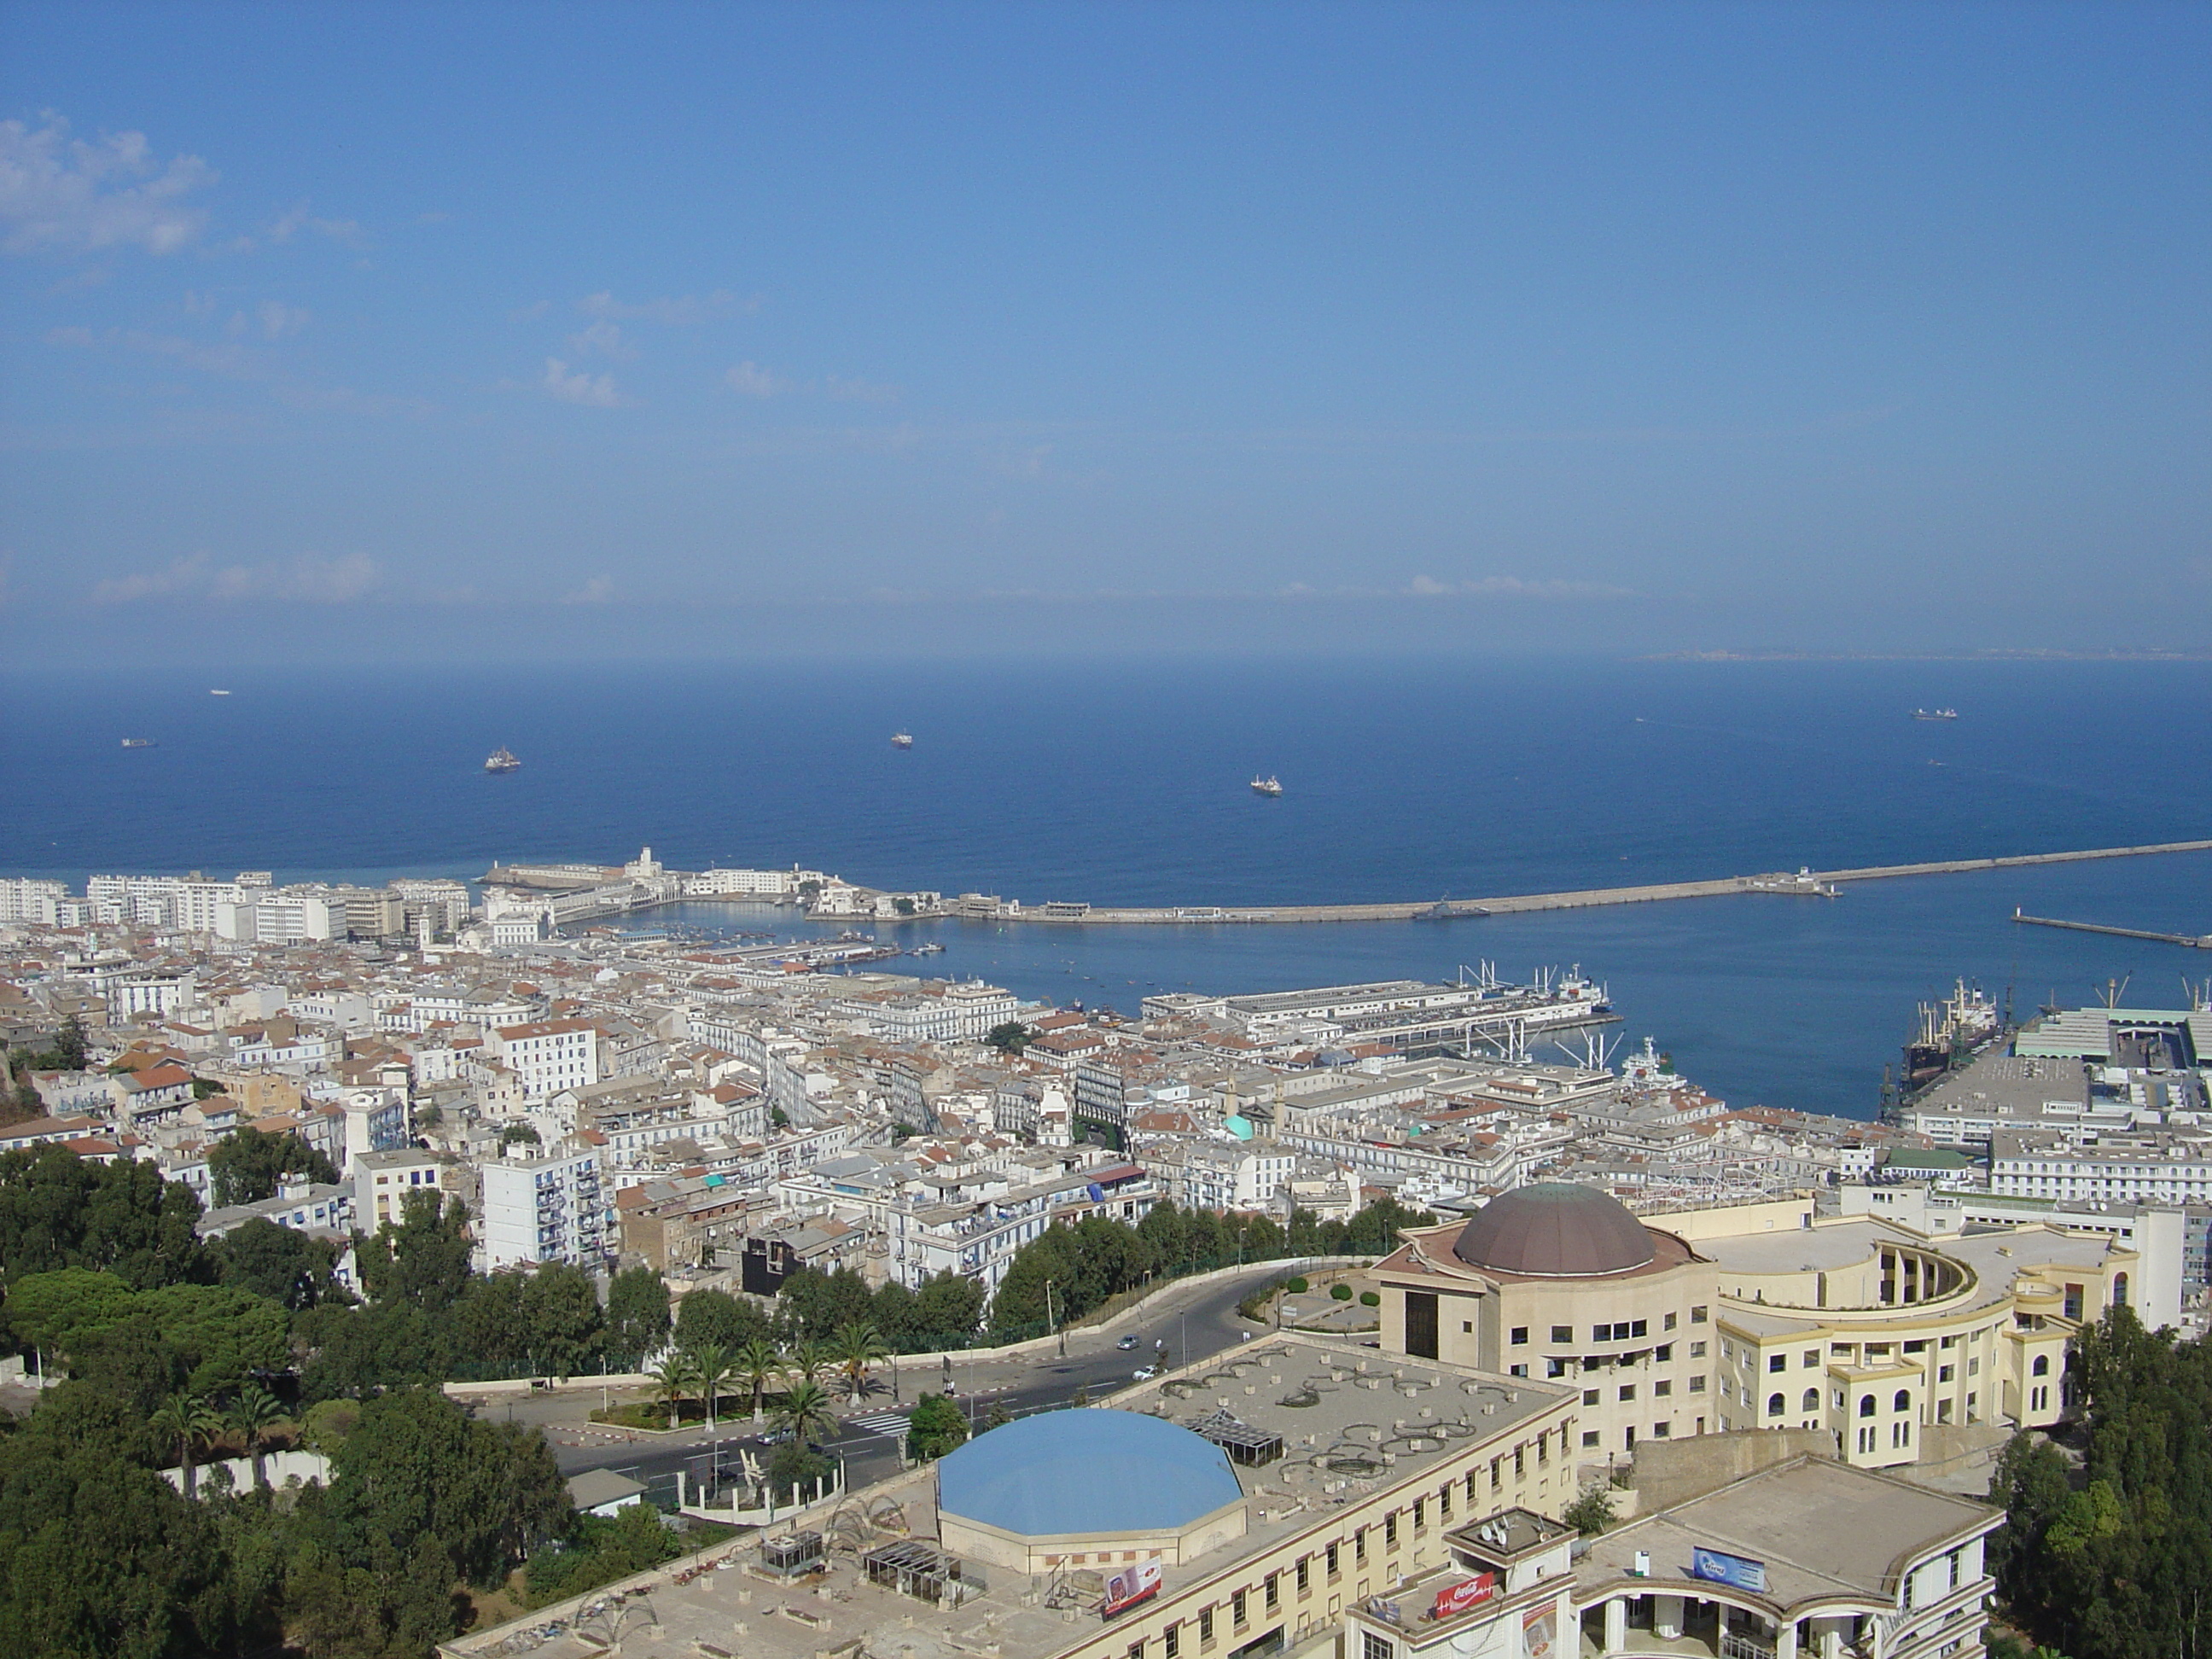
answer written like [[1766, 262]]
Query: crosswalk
[[880, 1422]]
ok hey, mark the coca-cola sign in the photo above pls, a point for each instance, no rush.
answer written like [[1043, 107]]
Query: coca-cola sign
[[1467, 1593]]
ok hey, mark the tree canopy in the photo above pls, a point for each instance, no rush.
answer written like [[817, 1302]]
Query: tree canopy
[[247, 1166]]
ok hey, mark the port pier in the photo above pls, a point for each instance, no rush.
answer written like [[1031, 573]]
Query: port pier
[[2190, 941]]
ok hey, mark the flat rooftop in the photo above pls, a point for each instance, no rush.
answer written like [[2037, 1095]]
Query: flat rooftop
[[1822, 1528], [1340, 1412]]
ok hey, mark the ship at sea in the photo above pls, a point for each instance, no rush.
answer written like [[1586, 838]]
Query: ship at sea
[[218, 691], [902, 739], [140, 742], [501, 761], [1934, 714], [1270, 786]]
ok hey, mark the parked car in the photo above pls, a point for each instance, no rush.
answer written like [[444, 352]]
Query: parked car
[[1146, 1373], [1127, 1343]]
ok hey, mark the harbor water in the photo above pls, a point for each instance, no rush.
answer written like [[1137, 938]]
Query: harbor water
[[1129, 782]]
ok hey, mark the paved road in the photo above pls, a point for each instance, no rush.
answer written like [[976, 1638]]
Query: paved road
[[1192, 1323]]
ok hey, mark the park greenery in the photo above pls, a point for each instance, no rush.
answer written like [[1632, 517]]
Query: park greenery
[[2112, 1559]]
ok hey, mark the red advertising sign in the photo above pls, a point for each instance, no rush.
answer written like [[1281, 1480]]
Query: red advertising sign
[[1129, 1586], [1467, 1593]]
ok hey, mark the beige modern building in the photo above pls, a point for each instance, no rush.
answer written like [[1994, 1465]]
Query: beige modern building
[[1753, 1317]]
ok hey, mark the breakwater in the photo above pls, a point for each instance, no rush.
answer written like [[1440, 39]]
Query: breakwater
[[1819, 883], [2193, 941]]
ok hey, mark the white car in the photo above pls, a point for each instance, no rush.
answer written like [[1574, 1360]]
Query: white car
[[1146, 1373]]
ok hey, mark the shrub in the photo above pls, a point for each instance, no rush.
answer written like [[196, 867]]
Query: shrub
[[1296, 1286], [1369, 1299], [1340, 1292]]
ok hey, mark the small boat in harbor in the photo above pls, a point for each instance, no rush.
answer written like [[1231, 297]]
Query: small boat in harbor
[[1269, 785], [902, 739], [501, 761], [140, 742], [1934, 714]]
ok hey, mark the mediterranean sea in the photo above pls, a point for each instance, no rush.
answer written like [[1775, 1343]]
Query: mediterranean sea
[[1127, 783]]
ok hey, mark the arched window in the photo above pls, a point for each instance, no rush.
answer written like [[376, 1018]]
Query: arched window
[[1903, 1402], [1866, 1404], [2042, 1366], [1774, 1405], [1812, 1400], [2119, 1289]]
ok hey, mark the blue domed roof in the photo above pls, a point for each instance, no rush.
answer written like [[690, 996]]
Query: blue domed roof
[[1086, 1471]]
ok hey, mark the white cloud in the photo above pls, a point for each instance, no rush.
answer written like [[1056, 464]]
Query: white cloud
[[287, 225], [308, 578], [278, 320], [600, 590], [595, 390], [754, 381], [858, 391], [1517, 587], [691, 308], [605, 338], [61, 195]]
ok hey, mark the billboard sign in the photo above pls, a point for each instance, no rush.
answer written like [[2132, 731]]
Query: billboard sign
[[1539, 1628], [1467, 1593], [1719, 1567], [1132, 1584]]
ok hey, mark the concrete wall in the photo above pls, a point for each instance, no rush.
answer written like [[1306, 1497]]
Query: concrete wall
[[277, 1467], [1670, 1472]]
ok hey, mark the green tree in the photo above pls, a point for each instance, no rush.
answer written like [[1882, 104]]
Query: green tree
[[710, 1371], [247, 1166], [935, 1427], [671, 1377], [70, 1050], [1591, 1513], [422, 1259], [757, 1366], [186, 1421], [561, 1319], [814, 1304], [805, 1410], [947, 1308], [809, 1361], [253, 1411], [858, 1350], [56, 1211], [718, 1317], [222, 1333], [49, 1311], [284, 1264], [1010, 1038], [637, 1321]]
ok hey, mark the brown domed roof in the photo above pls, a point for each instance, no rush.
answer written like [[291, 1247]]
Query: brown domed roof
[[1555, 1230]]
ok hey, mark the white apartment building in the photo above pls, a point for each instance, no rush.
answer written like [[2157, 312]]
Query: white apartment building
[[29, 900], [968, 1009], [158, 995], [1228, 1175], [750, 884], [549, 1055], [2146, 1167], [546, 1209], [187, 902], [381, 1182], [281, 917]]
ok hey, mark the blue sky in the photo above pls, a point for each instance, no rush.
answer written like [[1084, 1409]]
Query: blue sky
[[477, 330]]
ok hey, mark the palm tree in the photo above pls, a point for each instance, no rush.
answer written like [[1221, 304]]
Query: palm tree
[[810, 1358], [807, 1412], [252, 1413], [671, 1380], [710, 1371], [757, 1364], [857, 1348], [187, 1419]]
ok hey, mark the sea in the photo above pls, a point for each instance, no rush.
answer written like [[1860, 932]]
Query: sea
[[1128, 782]]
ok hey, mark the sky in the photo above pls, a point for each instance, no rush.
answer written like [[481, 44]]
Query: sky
[[478, 332]]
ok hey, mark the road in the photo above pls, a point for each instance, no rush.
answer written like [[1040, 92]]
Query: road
[[1193, 1323]]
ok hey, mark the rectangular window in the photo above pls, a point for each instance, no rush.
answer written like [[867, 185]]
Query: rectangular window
[[1331, 1557], [1373, 1646], [1205, 1625], [1589, 1396], [1635, 1329], [1663, 1354], [1589, 1437], [1628, 1391], [1697, 1316], [1563, 1333], [1237, 1615], [1777, 1361], [1391, 1530], [1520, 1462], [1812, 1357], [1555, 1368], [1359, 1544], [1420, 1513], [1953, 1560], [1697, 1350], [1443, 1503], [1305, 1574], [1174, 1640], [1136, 1650], [1497, 1476], [1470, 1489], [1698, 1384], [1517, 1370], [1519, 1336], [1661, 1430], [1661, 1389], [1669, 1325]]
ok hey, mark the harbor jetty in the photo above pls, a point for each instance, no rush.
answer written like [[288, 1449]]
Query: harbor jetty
[[1807, 883], [2192, 941]]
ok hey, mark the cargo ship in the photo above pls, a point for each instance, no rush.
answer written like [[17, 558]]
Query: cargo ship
[[902, 739], [1268, 786], [1934, 714], [139, 743], [501, 760]]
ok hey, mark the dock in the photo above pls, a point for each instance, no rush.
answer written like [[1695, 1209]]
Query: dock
[[1808, 883], [2190, 941]]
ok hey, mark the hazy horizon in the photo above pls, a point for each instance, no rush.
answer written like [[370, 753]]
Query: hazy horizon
[[492, 333]]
